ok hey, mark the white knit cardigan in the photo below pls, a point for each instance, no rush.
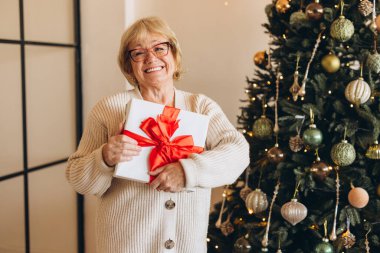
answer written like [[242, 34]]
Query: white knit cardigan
[[131, 216]]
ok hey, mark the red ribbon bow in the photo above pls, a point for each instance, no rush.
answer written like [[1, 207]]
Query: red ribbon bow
[[160, 131]]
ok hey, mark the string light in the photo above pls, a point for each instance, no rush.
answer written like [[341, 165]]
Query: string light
[[288, 98], [348, 64], [305, 150], [351, 105], [263, 219], [281, 77], [246, 91], [216, 246], [253, 99], [302, 98], [323, 37], [284, 36], [329, 91], [268, 82], [208, 239], [254, 85], [244, 131], [266, 150]]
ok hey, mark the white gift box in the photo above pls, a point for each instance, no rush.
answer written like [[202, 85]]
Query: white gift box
[[190, 123]]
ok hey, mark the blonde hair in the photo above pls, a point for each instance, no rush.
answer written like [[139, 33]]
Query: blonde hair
[[139, 31]]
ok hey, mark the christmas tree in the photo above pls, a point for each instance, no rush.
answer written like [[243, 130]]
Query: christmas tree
[[312, 118]]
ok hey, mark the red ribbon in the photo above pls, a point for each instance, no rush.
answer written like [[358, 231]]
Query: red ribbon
[[160, 131]]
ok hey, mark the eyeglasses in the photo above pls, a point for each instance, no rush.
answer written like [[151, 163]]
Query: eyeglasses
[[158, 50]]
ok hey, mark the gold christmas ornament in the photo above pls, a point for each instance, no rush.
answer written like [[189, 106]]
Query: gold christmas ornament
[[373, 151], [342, 29], [358, 91], [294, 212], [347, 237], [373, 62], [330, 63], [275, 155], [256, 202], [262, 128], [295, 88], [314, 11], [260, 59], [365, 7], [282, 6], [358, 197], [343, 153]]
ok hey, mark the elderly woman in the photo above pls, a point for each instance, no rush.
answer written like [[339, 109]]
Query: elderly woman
[[162, 216]]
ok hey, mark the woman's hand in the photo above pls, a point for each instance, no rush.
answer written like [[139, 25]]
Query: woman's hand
[[170, 178], [120, 148]]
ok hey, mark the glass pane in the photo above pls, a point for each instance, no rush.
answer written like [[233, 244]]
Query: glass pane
[[51, 21], [50, 92], [9, 20], [12, 235], [11, 113], [52, 212]]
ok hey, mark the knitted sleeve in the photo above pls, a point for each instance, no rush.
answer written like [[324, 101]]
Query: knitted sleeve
[[86, 170], [227, 152]]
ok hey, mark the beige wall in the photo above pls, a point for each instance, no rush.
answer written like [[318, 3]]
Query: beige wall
[[217, 40]]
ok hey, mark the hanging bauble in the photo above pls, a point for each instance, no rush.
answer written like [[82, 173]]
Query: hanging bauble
[[372, 26], [275, 155], [377, 22], [320, 170], [330, 63], [242, 245], [348, 239], [342, 29], [373, 152], [358, 197], [358, 91], [282, 6], [365, 7], [227, 228], [262, 128], [295, 143], [295, 88], [256, 201], [314, 11], [373, 62], [324, 247], [343, 153], [298, 19], [244, 192], [260, 59], [294, 212], [312, 136]]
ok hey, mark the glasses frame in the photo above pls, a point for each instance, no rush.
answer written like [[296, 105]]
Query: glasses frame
[[147, 50]]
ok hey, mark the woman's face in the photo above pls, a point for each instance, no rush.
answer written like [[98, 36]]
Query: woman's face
[[153, 70]]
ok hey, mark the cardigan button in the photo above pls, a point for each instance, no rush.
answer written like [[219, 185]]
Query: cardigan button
[[169, 244], [169, 204]]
